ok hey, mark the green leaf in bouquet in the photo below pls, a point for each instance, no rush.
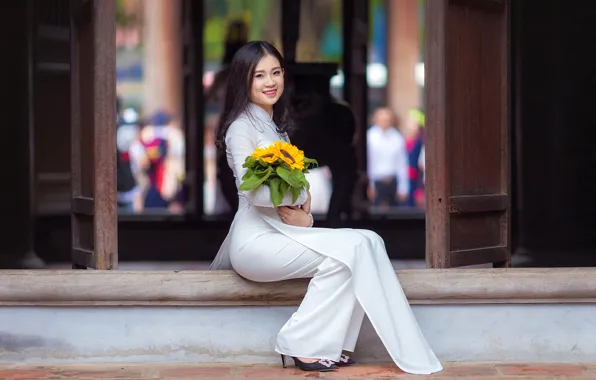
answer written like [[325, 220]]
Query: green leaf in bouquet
[[303, 179], [255, 181], [277, 195], [287, 176], [295, 193], [264, 164], [249, 162], [263, 171], [299, 175], [249, 173], [284, 187], [295, 175], [309, 162]]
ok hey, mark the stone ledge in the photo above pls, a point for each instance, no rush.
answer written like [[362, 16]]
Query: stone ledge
[[223, 288]]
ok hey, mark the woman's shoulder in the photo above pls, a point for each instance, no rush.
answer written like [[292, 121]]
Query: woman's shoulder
[[243, 128], [242, 124]]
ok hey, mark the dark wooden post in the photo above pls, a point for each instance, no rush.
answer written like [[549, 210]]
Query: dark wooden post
[[290, 28], [16, 152], [193, 110], [355, 57], [93, 116]]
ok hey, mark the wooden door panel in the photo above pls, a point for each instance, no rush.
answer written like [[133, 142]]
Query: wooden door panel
[[93, 134], [467, 63], [51, 105]]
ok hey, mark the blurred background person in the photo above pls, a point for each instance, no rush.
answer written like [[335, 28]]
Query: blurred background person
[[129, 193], [412, 132], [321, 118], [389, 184], [421, 201], [159, 154]]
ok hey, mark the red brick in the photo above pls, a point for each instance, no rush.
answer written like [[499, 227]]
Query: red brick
[[368, 371], [501, 377], [466, 370], [271, 372], [99, 371], [540, 369], [16, 373], [198, 372], [185, 371]]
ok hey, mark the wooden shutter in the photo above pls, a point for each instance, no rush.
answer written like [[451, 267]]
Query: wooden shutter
[[192, 81], [93, 136], [467, 137], [50, 97]]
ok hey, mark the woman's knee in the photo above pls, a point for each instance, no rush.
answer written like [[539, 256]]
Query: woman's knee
[[372, 237], [331, 265]]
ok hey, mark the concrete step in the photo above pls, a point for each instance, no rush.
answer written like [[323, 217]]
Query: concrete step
[[246, 334]]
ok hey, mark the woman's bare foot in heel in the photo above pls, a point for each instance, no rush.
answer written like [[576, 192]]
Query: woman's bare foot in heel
[[307, 360]]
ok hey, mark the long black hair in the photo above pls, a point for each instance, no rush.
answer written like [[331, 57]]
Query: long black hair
[[238, 89]]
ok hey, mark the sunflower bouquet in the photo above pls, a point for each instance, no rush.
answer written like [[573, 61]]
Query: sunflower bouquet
[[281, 166]]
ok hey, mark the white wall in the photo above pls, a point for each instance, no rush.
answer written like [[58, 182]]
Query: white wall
[[247, 334]]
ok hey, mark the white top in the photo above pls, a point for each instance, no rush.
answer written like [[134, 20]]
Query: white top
[[387, 157], [254, 129]]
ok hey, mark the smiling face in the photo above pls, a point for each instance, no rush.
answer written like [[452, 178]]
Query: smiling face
[[267, 83]]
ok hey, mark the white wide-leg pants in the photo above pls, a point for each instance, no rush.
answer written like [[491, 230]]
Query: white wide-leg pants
[[329, 318], [351, 275]]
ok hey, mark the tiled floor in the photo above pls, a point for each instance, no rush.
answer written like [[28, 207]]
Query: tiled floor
[[476, 371]]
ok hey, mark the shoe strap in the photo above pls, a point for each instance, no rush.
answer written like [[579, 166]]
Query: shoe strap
[[326, 362]]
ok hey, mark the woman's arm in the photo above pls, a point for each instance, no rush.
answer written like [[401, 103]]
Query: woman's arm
[[240, 140]]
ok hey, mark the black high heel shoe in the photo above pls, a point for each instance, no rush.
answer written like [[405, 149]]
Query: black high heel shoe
[[345, 361], [322, 365]]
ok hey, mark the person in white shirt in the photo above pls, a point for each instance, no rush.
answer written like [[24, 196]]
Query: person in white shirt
[[387, 161]]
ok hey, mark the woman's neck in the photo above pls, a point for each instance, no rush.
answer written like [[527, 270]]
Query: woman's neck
[[267, 108]]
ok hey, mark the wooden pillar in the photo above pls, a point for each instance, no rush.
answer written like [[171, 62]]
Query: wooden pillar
[[93, 148], [355, 45], [163, 57], [403, 53], [290, 28], [17, 193]]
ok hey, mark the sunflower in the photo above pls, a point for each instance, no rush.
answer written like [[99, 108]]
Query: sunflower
[[290, 154], [268, 155]]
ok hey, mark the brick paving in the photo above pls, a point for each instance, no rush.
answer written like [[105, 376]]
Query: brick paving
[[464, 371]]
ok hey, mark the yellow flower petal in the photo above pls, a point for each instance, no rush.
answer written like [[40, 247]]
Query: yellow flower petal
[[287, 152]]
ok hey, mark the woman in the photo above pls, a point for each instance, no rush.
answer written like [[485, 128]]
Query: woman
[[351, 273]]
